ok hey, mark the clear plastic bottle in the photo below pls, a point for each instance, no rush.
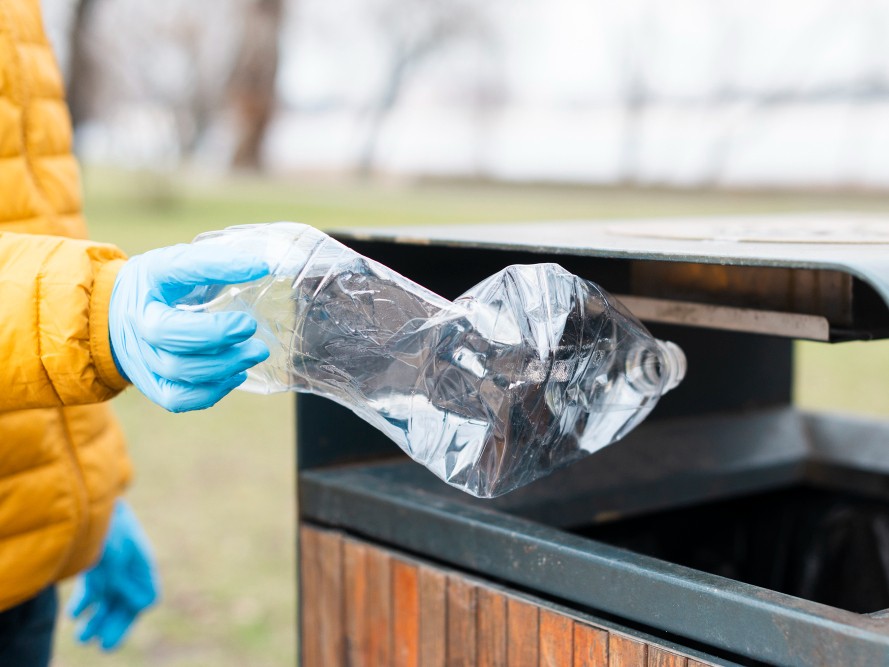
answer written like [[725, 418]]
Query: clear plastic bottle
[[529, 370]]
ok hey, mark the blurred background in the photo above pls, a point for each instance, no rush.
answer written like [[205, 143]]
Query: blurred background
[[195, 115], [682, 93]]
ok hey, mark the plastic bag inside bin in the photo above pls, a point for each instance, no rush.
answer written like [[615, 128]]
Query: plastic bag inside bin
[[821, 544], [529, 370]]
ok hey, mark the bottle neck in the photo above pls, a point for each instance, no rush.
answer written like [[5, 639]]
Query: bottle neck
[[672, 363], [655, 371]]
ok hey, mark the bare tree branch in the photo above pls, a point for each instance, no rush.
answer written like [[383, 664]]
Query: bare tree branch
[[251, 88], [413, 31]]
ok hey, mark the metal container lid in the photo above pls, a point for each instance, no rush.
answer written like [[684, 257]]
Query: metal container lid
[[823, 276]]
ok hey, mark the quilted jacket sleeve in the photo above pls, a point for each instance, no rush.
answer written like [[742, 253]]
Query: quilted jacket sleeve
[[54, 347]]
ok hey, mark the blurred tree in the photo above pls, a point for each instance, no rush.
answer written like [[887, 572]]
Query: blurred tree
[[205, 69], [412, 31], [251, 88], [196, 78], [81, 81]]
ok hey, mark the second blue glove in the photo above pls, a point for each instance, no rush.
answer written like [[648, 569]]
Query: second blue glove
[[179, 359], [122, 585]]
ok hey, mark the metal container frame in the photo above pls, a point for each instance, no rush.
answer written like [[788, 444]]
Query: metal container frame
[[729, 430]]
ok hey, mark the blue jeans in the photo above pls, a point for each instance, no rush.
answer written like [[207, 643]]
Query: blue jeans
[[26, 631]]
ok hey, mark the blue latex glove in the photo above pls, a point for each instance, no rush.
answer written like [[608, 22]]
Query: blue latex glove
[[182, 360], [119, 587]]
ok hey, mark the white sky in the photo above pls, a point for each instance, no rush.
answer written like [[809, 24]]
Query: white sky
[[588, 51]]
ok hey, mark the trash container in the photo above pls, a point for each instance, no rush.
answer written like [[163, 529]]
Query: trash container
[[730, 528]]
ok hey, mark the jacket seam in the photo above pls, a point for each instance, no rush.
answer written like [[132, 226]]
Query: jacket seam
[[38, 285], [46, 97], [20, 533], [29, 469], [16, 220], [52, 155]]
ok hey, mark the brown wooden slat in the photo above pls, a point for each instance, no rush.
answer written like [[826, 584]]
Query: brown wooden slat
[[361, 607], [379, 608], [491, 625], [590, 646], [329, 620], [556, 639], [355, 603], [433, 618], [522, 622], [660, 657], [310, 594], [405, 614], [461, 623], [626, 652]]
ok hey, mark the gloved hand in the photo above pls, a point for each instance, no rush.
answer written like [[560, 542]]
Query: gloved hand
[[182, 360], [119, 587]]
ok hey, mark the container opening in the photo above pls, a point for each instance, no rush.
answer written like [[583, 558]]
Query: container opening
[[822, 545]]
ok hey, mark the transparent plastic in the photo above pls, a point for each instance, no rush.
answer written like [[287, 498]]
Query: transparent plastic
[[526, 372]]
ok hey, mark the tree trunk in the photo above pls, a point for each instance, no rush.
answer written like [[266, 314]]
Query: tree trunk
[[251, 89], [81, 68]]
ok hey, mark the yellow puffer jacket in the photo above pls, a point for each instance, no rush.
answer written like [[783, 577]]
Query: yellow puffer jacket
[[62, 461]]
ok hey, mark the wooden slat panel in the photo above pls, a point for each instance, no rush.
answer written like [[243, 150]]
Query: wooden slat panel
[[522, 633], [461, 623], [590, 646], [362, 607], [491, 626], [433, 618], [355, 601], [659, 657], [310, 595], [626, 652], [379, 608], [556, 639], [329, 620], [405, 614]]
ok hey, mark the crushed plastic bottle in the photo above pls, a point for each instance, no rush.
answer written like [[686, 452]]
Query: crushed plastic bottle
[[528, 371]]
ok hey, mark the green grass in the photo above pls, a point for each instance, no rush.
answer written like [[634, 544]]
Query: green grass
[[142, 210], [215, 489]]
